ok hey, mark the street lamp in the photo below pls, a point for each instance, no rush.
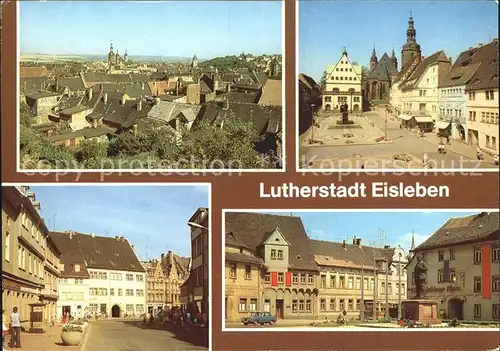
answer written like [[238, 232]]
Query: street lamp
[[399, 286], [312, 122]]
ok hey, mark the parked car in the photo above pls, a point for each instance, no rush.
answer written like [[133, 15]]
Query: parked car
[[259, 318]]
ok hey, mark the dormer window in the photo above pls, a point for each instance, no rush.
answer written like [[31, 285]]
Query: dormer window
[[280, 254], [273, 254], [77, 268]]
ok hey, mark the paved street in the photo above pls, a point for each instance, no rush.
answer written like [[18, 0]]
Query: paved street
[[282, 323], [133, 335], [374, 156]]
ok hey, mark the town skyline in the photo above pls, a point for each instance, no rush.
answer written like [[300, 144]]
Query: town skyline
[[370, 226], [231, 29], [122, 211], [319, 48]]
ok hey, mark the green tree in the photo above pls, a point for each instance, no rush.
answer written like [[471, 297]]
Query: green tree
[[91, 154], [158, 140], [125, 144], [229, 147], [25, 115]]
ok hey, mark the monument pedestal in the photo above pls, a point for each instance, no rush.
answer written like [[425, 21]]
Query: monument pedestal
[[421, 310]]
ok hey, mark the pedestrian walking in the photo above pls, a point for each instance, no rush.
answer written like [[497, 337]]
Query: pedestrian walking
[[479, 154], [15, 326]]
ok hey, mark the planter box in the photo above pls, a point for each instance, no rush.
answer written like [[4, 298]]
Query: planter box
[[71, 338]]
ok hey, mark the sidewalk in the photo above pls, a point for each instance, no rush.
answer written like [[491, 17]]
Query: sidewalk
[[49, 341]]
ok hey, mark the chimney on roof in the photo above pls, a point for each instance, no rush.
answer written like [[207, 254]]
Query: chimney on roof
[[105, 98], [162, 256], [177, 84], [358, 242], [387, 246], [344, 244], [89, 93], [142, 85], [139, 105], [354, 240], [122, 100]]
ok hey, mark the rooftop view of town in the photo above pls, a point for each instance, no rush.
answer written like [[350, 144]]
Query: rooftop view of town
[[433, 106], [119, 108]]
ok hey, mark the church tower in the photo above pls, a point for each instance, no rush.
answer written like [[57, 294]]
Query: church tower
[[194, 63], [111, 55], [411, 49], [394, 60], [373, 59]]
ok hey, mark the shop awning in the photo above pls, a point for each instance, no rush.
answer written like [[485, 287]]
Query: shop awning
[[405, 117], [424, 119], [442, 125]]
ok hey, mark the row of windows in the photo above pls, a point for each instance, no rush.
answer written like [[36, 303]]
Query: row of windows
[[276, 254], [115, 276], [487, 117], [489, 95], [104, 292], [342, 70], [345, 78], [296, 278], [453, 91], [34, 266], [351, 305], [33, 229], [477, 254], [495, 311], [342, 99], [161, 297], [449, 112], [70, 296], [491, 142]]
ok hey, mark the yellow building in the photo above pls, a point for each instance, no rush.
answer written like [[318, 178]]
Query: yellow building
[[164, 279], [24, 243], [482, 102], [50, 293], [271, 265], [463, 260], [343, 85]]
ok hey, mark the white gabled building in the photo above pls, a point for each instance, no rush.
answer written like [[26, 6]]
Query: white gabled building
[[343, 85], [99, 274]]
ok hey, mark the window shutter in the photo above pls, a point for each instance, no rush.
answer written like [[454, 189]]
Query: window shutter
[[274, 278], [288, 280]]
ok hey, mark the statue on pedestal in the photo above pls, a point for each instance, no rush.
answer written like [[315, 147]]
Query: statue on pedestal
[[344, 110], [420, 273]]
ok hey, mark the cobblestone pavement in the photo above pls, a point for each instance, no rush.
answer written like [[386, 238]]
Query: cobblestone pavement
[[380, 155], [49, 341], [133, 335]]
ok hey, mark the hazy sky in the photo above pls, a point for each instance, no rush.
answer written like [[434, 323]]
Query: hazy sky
[[152, 218], [325, 27], [398, 226], [178, 28]]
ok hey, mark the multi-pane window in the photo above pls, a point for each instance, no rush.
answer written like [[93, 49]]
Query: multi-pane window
[[280, 254], [495, 283], [342, 304], [232, 271], [452, 254], [441, 255], [440, 276], [477, 254], [120, 292], [78, 281], [139, 292], [242, 307], [310, 279], [112, 291], [332, 281], [308, 305], [332, 304], [294, 305], [302, 279], [267, 277], [301, 306], [350, 281], [139, 308], [358, 282], [248, 272], [341, 282], [253, 305], [322, 305], [129, 308], [129, 292], [323, 281], [129, 277], [477, 284], [495, 255], [295, 278], [453, 275], [273, 254], [477, 310], [139, 278], [280, 278], [495, 311]]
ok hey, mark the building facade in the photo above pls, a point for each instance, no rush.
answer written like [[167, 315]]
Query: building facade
[[271, 265], [482, 100], [463, 260], [24, 243], [377, 82], [343, 85], [50, 293], [197, 290], [165, 276], [99, 275]]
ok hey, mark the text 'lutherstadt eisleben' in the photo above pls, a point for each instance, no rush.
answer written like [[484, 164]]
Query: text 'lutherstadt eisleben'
[[355, 190]]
